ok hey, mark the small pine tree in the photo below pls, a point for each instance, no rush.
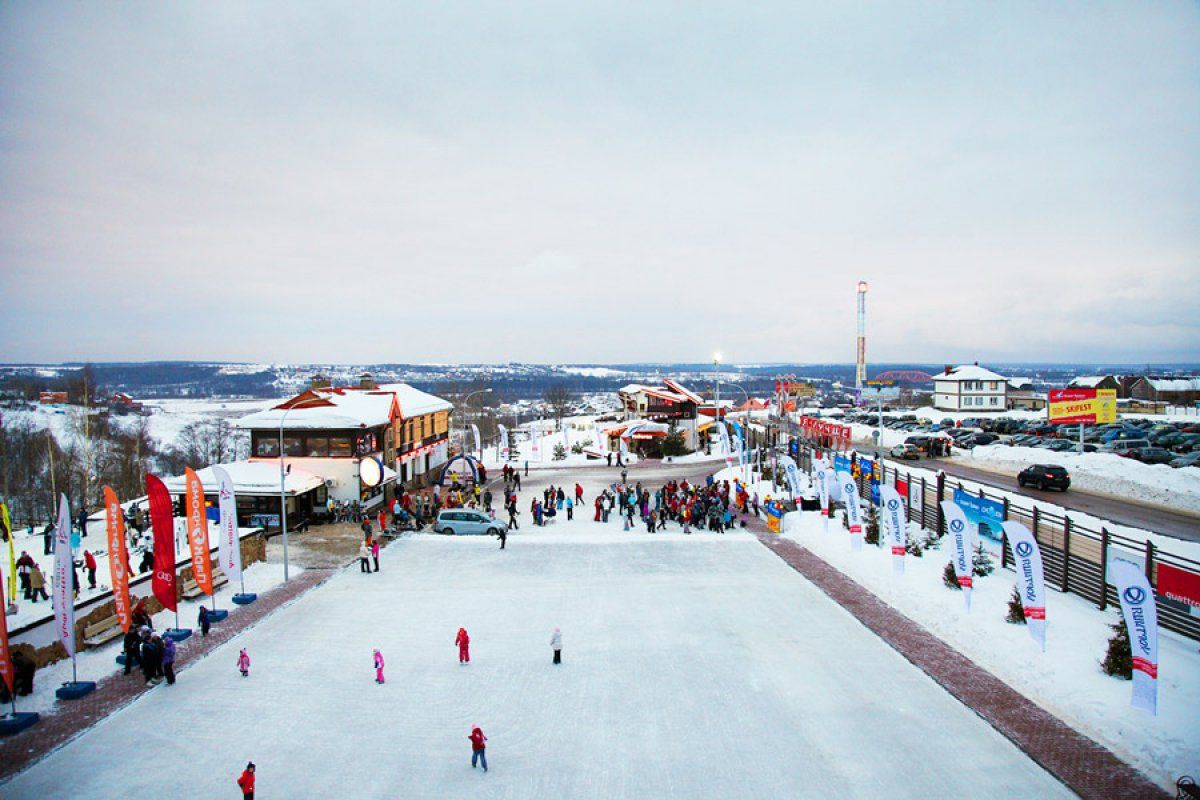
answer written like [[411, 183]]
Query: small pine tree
[[950, 577], [914, 549], [845, 521], [871, 524], [560, 452], [930, 540], [981, 562], [577, 448], [1118, 659], [1016, 609]]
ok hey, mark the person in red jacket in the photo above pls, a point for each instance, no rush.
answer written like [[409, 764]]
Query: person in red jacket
[[478, 747], [464, 646], [578, 494], [245, 782], [89, 563]]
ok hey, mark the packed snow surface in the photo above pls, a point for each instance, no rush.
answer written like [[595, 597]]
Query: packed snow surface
[[694, 667]]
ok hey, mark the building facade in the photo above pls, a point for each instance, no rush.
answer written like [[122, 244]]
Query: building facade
[[970, 388], [670, 404]]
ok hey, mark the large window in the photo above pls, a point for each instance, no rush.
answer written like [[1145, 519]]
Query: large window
[[293, 446], [339, 447], [267, 447], [316, 446]]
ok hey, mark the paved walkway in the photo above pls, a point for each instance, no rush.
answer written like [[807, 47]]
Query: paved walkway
[[1085, 767], [118, 690]]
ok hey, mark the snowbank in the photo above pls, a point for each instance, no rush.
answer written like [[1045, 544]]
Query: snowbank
[[1065, 680]]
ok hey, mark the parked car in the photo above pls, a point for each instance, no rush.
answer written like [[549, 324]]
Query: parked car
[[1045, 476], [908, 452], [465, 522], [1122, 447], [1152, 455], [983, 438], [1190, 460]]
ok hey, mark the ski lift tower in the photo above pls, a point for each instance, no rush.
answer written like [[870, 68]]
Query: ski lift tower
[[860, 373]]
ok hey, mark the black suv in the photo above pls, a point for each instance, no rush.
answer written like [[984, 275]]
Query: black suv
[[1045, 476]]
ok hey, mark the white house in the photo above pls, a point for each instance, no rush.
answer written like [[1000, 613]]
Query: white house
[[970, 388]]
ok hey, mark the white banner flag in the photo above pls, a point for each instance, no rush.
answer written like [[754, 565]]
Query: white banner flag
[[478, 446], [1141, 620], [599, 439], [741, 449], [502, 446], [231, 546], [960, 533], [1027, 558], [893, 524], [793, 474], [824, 478], [535, 447], [725, 446], [853, 508], [64, 579]]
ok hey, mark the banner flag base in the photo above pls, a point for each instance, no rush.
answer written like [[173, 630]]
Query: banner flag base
[[244, 599], [17, 721], [73, 690], [121, 659], [218, 614], [178, 634]]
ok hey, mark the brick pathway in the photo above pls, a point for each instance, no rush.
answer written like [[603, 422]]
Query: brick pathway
[[1088, 769], [70, 718]]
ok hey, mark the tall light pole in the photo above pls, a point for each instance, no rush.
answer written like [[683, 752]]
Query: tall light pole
[[465, 407], [283, 496], [860, 373]]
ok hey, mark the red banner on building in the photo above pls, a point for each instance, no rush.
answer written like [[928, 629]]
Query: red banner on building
[[832, 435], [162, 520]]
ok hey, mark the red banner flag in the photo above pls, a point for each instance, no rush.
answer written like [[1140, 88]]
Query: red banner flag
[[197, 530], [118, 557], [162, 520], [6, 667]]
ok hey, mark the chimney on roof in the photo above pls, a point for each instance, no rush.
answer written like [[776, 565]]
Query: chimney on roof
[[320, 381], [948, 368], [365, 381]]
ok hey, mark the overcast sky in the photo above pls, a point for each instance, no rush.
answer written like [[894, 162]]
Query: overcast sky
[[621, 182]]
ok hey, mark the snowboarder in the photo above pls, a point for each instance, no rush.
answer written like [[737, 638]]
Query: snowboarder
[[245, 782], [243, 663], [378, 667], [203, 620], [364, 555], [556, 645], [168, 660], [89, 563], [464, 646], [478, 746]]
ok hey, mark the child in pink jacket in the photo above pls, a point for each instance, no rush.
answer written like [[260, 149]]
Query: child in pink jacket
[[243, 663], [378, 667]]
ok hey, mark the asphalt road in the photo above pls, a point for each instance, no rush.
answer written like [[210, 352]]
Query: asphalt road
[[1178, 524]]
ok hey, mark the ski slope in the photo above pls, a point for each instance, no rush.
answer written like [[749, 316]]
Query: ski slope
[[694, 667]]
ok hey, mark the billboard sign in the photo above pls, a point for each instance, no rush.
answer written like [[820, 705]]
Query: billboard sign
[[1087, 406]]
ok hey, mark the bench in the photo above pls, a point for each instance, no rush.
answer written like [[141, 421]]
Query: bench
[[103, 631], [191, 590]]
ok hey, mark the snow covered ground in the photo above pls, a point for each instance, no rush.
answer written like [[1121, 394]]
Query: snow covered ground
[[1065, 680], [694, 667], [99, 662]]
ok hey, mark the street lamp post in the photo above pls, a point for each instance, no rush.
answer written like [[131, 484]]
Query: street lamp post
[[283, 496], [465, 406]]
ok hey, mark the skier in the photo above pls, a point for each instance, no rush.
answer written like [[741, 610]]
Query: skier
[[378, 667], [245, 782], [204, 623], [464, 646], [556, 645], [243, 663], [364, 555], [89, 563], [168, 660], [478, 745]]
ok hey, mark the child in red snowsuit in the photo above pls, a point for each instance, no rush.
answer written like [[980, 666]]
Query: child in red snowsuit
[[464, 646], [478, 747]]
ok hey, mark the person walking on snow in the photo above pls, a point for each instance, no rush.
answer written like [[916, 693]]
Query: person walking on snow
[[203, 620], [464, 646], [556, 645], [578, 494], [245, 782], [379, 667], [478, 746], [168, 660], [89, 563], [570, 509], [375, 553], [243, 663], [364, 555]]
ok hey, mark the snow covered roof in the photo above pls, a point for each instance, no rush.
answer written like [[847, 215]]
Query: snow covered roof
[[969, 372], [670, 391], [1175, 384], [342, 407], [258, 477], [1021, 383], [1087, 381]]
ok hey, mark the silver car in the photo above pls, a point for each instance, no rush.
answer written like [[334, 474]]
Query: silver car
[[466, 522]]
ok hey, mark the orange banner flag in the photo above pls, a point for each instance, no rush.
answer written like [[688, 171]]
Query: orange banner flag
[[197, 531], [118, 558]]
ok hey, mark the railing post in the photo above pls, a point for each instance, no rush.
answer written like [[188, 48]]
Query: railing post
[[941, 495], [1066, 581], [907, 496], [1150, 562], [1103, 568]]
